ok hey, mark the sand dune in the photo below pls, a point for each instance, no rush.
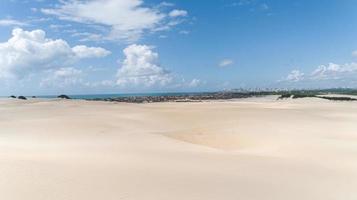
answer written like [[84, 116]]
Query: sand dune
[[249, 149]]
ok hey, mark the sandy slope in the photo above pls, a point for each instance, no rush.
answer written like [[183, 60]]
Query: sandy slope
[[248, 149]]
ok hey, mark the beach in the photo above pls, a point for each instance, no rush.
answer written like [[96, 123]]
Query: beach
[[249, 149]]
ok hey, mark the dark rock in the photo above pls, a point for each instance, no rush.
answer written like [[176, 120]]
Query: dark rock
[[63, 96], [181, 98], [22, 97], [12, 96], [34, 97]]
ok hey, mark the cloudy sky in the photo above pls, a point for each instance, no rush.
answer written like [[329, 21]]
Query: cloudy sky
[[121, 46]]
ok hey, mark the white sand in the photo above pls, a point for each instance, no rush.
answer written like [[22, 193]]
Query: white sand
[[248, 149]]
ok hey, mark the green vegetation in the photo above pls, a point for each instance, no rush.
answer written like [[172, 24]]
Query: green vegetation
[[339, 98], [296, 94], [285, 96]]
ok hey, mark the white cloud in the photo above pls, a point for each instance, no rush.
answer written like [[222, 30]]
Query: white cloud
[[178, 13], [11, 22], [330, 75], [82, 51], [251, 4], [264, 6], [295, 76], [62, 77], [59, 27], [184, 32], [103, 83], [126, 19], [141, 68], [85, 36], [166, 4], [31, 51], [194, 83], [182, 83], [333, 71], [226, 62], [354, 53]]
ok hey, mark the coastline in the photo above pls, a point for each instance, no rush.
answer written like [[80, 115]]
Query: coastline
[[328, 94]]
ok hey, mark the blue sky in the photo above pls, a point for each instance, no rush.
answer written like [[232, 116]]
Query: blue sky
[[120, 46]]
